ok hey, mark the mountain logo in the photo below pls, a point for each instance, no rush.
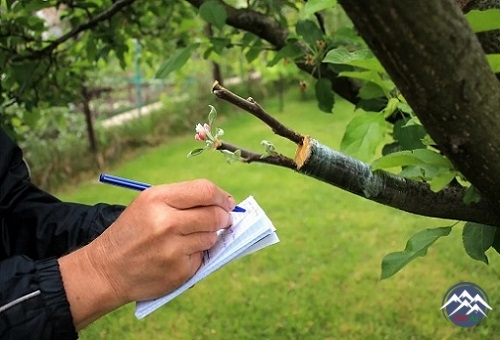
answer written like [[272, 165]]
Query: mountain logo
[[465, 304]]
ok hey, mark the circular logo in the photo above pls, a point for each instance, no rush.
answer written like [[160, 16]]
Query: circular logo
[[465, 304]]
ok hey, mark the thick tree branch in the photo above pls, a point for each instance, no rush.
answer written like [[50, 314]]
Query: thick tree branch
[[318, 161], [107, 14], [271, 31], [438, 64]]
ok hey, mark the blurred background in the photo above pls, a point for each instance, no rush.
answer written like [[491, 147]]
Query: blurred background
[[123, 96]]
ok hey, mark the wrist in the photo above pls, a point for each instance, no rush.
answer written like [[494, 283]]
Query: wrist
[[89, 291]]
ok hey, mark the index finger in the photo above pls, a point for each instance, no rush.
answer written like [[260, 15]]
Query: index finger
[[200, 192]]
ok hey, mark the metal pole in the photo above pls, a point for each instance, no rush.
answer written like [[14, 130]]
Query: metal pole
[[137, 76]]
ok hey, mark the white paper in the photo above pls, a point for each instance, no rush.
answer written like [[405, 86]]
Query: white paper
[[251, 231]]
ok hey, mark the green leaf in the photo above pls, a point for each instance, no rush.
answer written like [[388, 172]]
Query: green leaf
[[31, 118], [253, 50], [195, 152], [10, 3], [220, 44], [486, 20], [407, 109], [313, 6], [370, 76], [207, 52], [441, 180], [324, 94], [212, 115], [232, 157], [392, 105], [308, 30], [472, 195], [416, 246], [477, 239], [363, 135], [291, 51], [496, 241], [34, 6], [494, 61], [214, 13], [370, 91], [412, 157], [23, 72], [408, 136], [219, 133], [176, 61], [361, 58]]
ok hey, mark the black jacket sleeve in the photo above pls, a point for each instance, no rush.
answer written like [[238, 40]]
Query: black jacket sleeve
[[35, 229]]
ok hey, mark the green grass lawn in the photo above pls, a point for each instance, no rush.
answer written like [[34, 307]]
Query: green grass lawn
[[322, 280]]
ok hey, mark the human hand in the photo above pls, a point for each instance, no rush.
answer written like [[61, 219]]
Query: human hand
[[155, 245], [158, 241]]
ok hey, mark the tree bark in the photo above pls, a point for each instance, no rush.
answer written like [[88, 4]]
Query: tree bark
[[438, 64], [335, 168]]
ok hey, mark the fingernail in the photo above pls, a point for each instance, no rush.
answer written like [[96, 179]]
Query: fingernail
[[232, 202]]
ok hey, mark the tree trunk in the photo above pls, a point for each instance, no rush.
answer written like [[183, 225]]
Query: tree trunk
[[216, 72], [86, 97], [438, 64]]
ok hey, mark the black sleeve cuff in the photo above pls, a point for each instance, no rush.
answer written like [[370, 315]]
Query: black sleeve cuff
[[33, 303], [105, 216], [60, 322]]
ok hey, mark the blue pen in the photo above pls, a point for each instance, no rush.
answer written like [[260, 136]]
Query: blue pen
[[131, 184]]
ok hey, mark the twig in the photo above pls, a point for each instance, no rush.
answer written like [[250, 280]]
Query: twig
[[251, 106], [110, 12], [253, 157]]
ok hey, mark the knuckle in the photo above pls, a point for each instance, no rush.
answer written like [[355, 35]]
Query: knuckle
[[218, 219], [221, 218], [207, 240], [206, 188], [212, 239]]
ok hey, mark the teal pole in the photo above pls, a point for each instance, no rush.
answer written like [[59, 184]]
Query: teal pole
[[137, 76]]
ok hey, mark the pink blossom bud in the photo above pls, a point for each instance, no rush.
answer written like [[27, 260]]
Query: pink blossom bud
[[201, 133]]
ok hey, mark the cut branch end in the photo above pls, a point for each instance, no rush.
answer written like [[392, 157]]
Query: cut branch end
[[303, 152]]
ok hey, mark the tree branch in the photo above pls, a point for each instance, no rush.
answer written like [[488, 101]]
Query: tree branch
[[107, 14], [253, 157], [271, 31], [445, 79], [255, 109], [316, 160]]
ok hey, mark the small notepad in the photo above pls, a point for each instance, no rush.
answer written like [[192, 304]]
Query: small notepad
[[251, 231]]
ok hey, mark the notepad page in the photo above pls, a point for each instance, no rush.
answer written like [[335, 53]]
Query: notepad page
[[251, 231]]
